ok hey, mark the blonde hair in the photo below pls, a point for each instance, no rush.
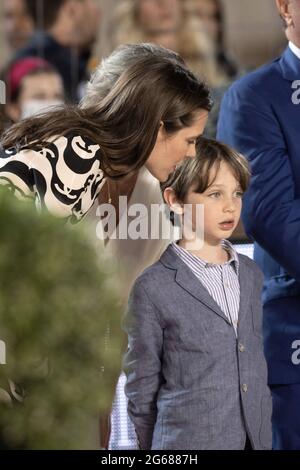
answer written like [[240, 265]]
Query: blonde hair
[[193, 44]]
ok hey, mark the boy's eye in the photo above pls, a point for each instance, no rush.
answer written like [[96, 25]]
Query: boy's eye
[[216, 194], [192, 142], [239, 194]]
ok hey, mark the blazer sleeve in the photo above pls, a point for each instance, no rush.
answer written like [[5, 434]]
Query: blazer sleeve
[[142, 363], [271, 209]]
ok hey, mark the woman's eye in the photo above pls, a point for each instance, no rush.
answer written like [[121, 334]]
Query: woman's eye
[[239, 194], [192, 142], [214, 195]]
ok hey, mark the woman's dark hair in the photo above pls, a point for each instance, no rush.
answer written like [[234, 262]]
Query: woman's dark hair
[[196, 172], [133, 91]]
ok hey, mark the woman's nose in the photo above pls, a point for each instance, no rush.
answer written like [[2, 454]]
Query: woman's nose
[[192, 151]]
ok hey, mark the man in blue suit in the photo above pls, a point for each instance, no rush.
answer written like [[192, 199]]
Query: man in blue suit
[[260, 116]]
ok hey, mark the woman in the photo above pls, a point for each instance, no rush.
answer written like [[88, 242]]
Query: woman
[[141, 115], [149, 112]]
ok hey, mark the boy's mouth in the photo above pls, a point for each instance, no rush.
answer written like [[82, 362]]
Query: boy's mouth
[[227, 224]]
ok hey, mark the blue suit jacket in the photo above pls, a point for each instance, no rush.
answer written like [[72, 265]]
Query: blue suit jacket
[[260, 116]]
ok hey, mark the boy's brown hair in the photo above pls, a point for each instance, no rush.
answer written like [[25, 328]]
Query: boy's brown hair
[[196, 171]]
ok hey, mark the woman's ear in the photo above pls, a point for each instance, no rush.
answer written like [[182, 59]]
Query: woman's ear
[[161, 131], [172, 201]]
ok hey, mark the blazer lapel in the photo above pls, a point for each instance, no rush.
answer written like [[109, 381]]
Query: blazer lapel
[[189, 282]]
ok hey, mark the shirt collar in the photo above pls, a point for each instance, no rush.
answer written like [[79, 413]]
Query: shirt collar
[[294, 49], [233, 256]]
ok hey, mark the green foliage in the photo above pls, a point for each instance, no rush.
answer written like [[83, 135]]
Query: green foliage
[[60, 321]]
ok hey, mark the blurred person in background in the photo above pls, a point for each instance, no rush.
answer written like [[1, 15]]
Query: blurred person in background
[[169, 24], [66, 31], [260, 117], [178, 25], [33, 85], [18, 24], [211, 15]]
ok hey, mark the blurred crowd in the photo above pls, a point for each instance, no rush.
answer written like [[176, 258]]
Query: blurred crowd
[[52, 46]]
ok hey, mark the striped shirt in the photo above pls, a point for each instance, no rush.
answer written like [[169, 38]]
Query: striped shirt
[[220, 280]]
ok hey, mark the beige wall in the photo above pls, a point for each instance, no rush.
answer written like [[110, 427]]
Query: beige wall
[[253, 30]]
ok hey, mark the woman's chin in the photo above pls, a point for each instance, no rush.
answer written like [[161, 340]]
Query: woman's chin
[[160, 175]]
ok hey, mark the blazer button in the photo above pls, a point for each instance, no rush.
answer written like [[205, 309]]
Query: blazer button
[[245, 388], [241, 347]]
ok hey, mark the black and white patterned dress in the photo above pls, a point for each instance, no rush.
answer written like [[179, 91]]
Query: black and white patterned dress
[[63, 178]]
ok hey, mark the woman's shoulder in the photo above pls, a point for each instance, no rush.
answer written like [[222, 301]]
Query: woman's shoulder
[[78, 152], [65, 173], [73, 143]]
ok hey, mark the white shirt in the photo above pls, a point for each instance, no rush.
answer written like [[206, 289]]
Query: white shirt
[[294, 49]]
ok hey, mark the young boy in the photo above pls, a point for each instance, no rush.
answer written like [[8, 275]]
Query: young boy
[[196, 372]]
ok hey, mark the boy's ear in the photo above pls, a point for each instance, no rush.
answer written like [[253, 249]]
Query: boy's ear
[[172, 201]]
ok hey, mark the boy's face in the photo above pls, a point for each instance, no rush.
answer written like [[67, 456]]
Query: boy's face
[[222, 203]]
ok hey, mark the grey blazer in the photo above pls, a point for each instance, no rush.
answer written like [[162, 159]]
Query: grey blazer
[[191, 384]]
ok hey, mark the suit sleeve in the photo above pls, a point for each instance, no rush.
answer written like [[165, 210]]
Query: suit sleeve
[[271, 209], [142, 363]]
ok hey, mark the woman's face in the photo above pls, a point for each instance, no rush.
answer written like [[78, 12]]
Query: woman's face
[[170, 151], [158, 16]]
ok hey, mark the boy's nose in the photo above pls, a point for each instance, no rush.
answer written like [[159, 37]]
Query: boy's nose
[[229, 206]]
